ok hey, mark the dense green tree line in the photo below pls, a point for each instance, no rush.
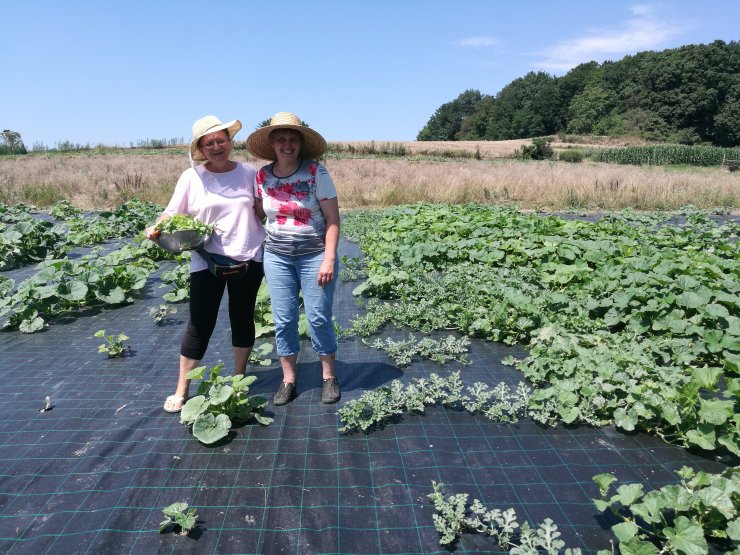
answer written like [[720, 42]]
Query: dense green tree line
[[688, 95]]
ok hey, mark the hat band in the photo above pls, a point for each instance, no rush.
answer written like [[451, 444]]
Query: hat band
[[207, 130]]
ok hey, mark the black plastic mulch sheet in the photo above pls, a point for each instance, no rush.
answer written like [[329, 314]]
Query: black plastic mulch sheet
[[93, 474]]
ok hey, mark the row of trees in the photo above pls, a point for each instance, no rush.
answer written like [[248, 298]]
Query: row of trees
[[688, 95]]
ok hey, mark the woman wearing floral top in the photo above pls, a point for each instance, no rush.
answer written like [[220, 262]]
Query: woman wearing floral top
[[299, 200]]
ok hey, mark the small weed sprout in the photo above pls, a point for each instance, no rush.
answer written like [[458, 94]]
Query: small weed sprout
[[160, 314], [113, 345], [178, 515]]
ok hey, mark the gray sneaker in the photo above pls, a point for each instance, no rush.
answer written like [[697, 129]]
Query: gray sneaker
[[330, 392], [285, 394]]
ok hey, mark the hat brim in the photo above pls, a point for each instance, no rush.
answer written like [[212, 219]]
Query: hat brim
[[233, 127], [313, 144]]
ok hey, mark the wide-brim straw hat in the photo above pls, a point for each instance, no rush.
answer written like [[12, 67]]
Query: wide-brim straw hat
[[210, 124], [313, 144]]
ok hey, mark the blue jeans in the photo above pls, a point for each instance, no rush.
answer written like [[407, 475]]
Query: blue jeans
[[286, 276]]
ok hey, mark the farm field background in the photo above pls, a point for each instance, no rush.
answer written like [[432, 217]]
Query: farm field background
[[643, 304], [446, 172]]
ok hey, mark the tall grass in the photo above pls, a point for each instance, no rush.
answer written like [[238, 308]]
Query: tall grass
[[396, 150], [160, 143], [95, 181], [72, 147], [91, 181], [364, 150], [531, 185]]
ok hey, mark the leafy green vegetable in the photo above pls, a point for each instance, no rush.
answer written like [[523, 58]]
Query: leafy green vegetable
[[182, 222], [678, 518], [455, 516], [113, 345], [219, 402], [178, 515], [374, 407], [631, 319]]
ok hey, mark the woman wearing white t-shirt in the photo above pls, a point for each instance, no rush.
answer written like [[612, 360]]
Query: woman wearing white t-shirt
[[217, 192]]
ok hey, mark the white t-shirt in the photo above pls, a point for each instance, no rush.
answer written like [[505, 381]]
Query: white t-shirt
[[225, 200]]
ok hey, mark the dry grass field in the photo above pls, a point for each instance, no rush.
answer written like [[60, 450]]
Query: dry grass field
[[94, 180], [497, 149]]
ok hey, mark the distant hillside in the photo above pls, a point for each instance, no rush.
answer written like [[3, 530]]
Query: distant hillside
[[686, 95]]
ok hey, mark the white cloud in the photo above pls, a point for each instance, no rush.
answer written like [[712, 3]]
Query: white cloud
[[643, 9], [478, 42], [645, 30]]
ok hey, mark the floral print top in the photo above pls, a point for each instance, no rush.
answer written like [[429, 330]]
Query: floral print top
[[295, 225]]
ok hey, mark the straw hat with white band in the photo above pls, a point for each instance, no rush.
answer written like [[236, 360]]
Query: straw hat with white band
[[313, 144], [210, 124]]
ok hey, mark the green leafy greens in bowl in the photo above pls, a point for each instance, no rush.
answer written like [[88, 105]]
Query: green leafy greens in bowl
[[181, 232], [183, 222]]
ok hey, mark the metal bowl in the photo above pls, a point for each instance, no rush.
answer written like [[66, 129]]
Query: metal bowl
[[184, 240]]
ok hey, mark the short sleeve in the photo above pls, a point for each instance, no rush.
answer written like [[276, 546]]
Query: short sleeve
[[179, 202], [325, 188], [259, 179]]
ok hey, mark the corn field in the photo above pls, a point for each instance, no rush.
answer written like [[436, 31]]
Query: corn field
[[661, 155]]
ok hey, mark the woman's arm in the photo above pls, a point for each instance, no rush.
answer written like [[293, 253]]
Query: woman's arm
[[177, 205], [330, 210], [259, 210]]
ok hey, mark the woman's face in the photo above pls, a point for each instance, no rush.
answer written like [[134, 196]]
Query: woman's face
[[216, 146], [286, 143]]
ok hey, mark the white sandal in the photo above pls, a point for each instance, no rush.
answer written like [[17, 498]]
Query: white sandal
[[173, 400]]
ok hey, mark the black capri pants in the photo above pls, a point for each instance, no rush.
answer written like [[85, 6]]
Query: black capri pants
[[206, 292]]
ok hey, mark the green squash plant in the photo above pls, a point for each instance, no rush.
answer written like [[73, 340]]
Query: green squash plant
[[220, 402], [178, 515], [113, 345], [178, 278], [677, 518], [63, 209], [631, 320], [260, 355], [30, 240], [123, 221], [161, 313], [65, 285], [16, 212]]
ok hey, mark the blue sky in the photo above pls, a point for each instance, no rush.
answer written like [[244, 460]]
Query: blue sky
[[118, 72]]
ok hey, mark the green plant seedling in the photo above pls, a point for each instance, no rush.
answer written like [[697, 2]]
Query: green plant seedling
[[219, 402], [113, 345], [260, 355], [160, 314], [178, 515]]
